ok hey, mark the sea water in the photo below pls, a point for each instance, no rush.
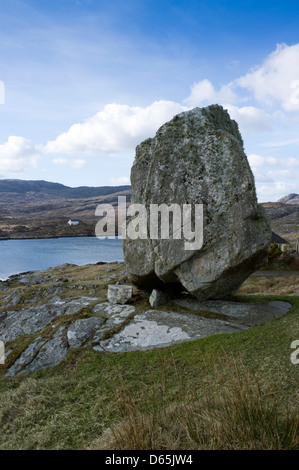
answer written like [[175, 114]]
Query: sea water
[[17, 256]]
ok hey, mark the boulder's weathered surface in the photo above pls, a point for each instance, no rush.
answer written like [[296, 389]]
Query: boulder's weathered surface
[[198, 158], [119, 294]]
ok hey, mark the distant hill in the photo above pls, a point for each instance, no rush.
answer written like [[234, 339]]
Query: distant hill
[[290, 199], [57, 190], [41, 209], [284, 216]]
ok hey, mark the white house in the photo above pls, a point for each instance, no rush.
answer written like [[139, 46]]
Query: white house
[[73, 222], [281, 242]]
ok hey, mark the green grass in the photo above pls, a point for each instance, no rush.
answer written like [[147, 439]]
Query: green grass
[[92, 400]]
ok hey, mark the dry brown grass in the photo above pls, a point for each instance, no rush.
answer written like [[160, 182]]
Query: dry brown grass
[[273, 285], [233, 413]]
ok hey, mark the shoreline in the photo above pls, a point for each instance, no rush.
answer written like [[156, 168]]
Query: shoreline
[[47, 237], [56, 236], [16, 276]]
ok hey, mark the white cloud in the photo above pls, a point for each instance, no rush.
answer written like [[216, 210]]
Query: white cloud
[[60, 161], [282, 143], [250, 118], [77, 163], [203, 92], [261, 177], [274, 177], [272, 191], [277, 79], [258, 161], [280, 173], [115, 129], [17, 155], [120, 181]]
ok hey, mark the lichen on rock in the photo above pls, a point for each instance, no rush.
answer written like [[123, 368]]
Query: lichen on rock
[[198, 158]]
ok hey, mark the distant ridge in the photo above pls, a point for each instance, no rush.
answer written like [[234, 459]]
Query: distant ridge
[[292, 198], [57, 189], [41, 209]]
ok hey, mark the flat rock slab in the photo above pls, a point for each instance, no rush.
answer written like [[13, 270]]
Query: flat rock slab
[[41, 354], [51, 353], [146, 330], [156, 328], [28, 321], [87, 330], [248, 314], [81, 330]]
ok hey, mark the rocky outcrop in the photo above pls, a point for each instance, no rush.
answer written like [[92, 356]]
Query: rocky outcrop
[[49, 349], [197, 158], [40, 336], [292, 198]]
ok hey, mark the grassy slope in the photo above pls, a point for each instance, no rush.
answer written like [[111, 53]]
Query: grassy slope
[[70, 406]]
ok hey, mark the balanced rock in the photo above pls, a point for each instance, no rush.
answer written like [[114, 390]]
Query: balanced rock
[[197, 159]]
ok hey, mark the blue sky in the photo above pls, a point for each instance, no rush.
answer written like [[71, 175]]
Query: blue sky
[[85, 81]]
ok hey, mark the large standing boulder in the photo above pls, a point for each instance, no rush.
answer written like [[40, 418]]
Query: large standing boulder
[[198, 158]]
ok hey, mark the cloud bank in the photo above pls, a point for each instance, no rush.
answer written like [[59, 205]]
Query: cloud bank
[[17, 155], [271, 94], [117, 128], [276, 81]]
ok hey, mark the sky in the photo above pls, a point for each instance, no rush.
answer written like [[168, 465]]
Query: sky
[[82, 82]]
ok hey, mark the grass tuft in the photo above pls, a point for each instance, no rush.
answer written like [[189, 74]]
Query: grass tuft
[[232, 413]]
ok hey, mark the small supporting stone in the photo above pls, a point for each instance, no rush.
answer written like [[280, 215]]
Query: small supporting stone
[[157, 298], [119, 294]]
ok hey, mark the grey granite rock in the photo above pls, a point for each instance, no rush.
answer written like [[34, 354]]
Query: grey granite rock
[[41, 354], [154, 328], [249, 314], [26, 357], [79, 332], [157, 298], [51, 353], [73, 306], [14, 298], [114, 314], [146, 330], [26, 321], [33, 319], [119, 294], [198, 158]]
